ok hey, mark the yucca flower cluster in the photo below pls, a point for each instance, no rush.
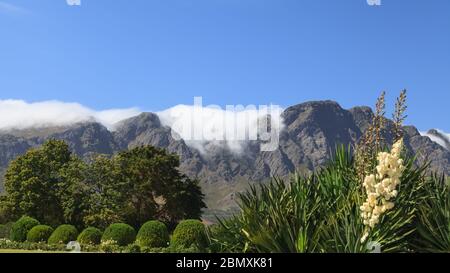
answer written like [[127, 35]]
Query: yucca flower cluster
[[381, 188]]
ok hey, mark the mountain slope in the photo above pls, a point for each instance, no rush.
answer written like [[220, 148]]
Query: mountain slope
[[311, 132], [439, 137]]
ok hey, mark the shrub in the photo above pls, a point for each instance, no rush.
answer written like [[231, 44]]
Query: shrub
[[120, 233], [277, 217], [39, 233], [90, 236], [63, 235], [320, 213], [433, 217], [226, 236], [153, 234], [109, 246], [41, 246], [189, 233], [5, 230], [132, 248], [20, 229]]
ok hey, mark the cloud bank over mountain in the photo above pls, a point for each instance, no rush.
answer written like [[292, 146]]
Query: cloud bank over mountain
[[311, 131], [19, 114], [201, 127], [439, 136]]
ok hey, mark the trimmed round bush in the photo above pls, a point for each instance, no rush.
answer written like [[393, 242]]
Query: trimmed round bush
[[120, 233], [90, 236], [63, 235], [5, 230], [189, 233], [153, 234], [39, 233], [20, 229]]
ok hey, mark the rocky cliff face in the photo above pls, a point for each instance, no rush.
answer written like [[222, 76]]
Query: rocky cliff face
[[439, 137], [312, 130]]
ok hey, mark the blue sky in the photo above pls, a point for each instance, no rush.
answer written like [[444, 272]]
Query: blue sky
[[154, 54]]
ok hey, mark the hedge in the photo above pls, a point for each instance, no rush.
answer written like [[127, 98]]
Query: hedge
[[153, 234], [63, 235], [122, 234], [39, 233], [20, 229], [189, 233], [90, 236]]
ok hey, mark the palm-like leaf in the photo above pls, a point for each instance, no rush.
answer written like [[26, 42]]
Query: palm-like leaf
[[433, 221], [321, 213], [280, 217]]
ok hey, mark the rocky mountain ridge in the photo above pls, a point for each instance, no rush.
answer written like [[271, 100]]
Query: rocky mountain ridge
[[311, 132]]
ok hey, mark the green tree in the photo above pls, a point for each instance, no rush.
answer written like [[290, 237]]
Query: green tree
[[74, 191], [4, 214], [32, 182], [155, 187], [107, 193], [55, 187], [186, 201]]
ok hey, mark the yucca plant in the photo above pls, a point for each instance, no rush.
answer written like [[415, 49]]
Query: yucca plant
[[226, 236], [433, 217], [321, 213], [282, 217], [362, 198], [391, 186], [397, 226], [343, 228], [305, 214]]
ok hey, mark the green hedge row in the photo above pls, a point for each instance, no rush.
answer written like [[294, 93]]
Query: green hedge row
[[153, 236], [133, 248]]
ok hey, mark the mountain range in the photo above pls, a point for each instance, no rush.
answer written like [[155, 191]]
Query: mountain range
[[311, 132]]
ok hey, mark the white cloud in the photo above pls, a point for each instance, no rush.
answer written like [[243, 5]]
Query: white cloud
[[206, 127], [10, 8], [18, 114], [203, 128], [436, 139]]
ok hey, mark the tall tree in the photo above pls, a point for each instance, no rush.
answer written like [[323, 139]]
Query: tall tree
[[32, 182], [53, 186], [156, 188], [107, 197], [74, 191], [185, 201]]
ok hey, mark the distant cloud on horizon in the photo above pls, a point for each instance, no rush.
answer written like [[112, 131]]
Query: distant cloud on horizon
[[212, 124], [19, 114], [436, 139]]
